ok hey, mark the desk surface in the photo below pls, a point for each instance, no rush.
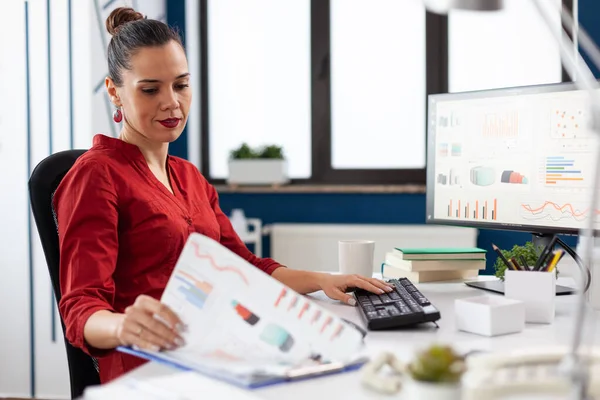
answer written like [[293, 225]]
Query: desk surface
[[404, 342]]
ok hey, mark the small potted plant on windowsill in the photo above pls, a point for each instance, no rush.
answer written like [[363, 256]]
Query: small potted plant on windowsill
[[435, 374], [264, 166]]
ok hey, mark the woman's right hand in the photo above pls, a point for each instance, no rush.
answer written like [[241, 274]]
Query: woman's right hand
[[150, 325]]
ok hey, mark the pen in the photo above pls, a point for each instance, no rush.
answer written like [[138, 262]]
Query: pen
[[514, 261], [555, 258], [508, 263], [545, 253], [524, 261]]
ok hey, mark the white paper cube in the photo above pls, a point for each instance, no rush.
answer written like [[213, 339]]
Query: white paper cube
[[489, 315]]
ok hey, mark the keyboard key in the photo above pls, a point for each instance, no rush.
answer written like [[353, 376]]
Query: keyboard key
[[369, 309], [385, 299], [407, 297], [373, 314], [394, 296], [411, 288], [423, 301], [400, 303], [416, 308], [383, 313]]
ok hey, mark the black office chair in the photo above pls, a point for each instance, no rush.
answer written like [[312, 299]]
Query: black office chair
[[45, 178]]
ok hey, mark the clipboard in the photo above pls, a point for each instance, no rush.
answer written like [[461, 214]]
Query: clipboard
[[254, 381]]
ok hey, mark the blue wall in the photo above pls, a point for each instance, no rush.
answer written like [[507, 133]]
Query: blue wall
[[363, 208], [589, 10]]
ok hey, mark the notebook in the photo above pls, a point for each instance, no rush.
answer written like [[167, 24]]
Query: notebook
[[454, 253]]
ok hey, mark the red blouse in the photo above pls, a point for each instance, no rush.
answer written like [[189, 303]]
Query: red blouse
[[121, 232]]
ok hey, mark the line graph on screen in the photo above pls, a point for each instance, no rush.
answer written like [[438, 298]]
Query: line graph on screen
[[554, 211]]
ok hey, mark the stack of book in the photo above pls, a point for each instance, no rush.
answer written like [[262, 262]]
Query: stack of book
[[433, 264]]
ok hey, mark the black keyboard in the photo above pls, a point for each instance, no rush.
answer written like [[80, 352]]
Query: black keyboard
[[401, 307]]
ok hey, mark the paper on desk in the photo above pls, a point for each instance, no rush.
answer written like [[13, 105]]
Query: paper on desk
[[178, 386], [241, 320]]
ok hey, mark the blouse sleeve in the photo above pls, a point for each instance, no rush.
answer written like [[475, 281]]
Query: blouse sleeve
[[86, 208], [232, 241]]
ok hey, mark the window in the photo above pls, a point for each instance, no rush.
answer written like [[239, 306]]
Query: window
[[259, 80], [512, 47], [342, 87], [377, 84]]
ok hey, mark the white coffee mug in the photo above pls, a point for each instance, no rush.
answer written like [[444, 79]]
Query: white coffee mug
[[356, 257]]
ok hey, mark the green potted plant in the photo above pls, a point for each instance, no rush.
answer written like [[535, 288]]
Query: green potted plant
[[257, 166], [436, 373], [527, 252]]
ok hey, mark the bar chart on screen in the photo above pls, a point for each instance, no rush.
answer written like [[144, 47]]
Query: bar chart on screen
[[484, 209], [500, 125], [563, 171]]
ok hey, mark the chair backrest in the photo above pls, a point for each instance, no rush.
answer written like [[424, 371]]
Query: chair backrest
[[45, 178]]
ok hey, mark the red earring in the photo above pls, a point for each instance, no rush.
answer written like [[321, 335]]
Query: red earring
[[117, 116]]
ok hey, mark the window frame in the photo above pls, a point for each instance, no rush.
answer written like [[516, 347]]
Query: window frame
[[322, 172]]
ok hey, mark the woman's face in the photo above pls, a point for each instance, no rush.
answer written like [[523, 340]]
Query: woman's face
[[155, 96]]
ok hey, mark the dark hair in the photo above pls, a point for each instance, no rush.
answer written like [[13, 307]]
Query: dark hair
[[130, 32]]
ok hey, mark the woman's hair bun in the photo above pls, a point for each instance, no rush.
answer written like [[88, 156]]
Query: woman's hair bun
[[119, 17]]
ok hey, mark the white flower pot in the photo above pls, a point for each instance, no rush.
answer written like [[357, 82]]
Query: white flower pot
[[257, 172], [416, 390]]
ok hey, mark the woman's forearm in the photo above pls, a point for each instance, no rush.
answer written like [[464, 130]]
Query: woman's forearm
[[100, 330], [302, 282]]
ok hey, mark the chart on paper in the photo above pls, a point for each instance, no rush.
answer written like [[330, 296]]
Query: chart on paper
[[226, 269]]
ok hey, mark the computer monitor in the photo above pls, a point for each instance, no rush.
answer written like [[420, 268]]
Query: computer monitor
[[516, 158]]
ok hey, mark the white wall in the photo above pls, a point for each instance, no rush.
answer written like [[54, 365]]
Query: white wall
[[59, 111]]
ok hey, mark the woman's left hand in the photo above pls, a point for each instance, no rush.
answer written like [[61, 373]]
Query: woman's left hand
[[336, 286]]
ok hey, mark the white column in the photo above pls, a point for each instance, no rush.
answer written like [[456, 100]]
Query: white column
[[192, 44], [14, 234]]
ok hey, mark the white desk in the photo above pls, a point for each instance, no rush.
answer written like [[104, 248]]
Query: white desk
[[404, 342]]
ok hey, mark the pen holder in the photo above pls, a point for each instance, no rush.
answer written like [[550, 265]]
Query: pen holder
[[537, 290]]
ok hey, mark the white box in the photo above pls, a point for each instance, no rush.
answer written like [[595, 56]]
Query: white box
[[489, 315], [258, 172], [537, 290]]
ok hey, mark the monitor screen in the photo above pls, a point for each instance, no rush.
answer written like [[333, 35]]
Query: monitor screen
[[515, 158]]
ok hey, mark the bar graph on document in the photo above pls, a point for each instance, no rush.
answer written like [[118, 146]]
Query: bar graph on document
[[194, 290], [484, 209], [561, 171]]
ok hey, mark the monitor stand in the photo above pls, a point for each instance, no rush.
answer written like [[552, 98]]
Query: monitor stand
[[540, 241], [498, 287]]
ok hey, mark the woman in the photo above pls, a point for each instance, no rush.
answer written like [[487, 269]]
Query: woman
[[126, 208]]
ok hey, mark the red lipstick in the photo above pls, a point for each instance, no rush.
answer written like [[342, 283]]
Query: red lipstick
[[170, 122]]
